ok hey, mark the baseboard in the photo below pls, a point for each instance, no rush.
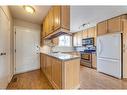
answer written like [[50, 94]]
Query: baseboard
[[27, 70], [10, 78], [77, 87]]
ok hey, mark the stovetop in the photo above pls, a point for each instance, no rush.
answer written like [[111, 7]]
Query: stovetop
[[88, 51]]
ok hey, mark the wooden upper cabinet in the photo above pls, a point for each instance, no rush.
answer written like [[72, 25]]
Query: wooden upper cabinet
[[102, 28], [50, 20], [44, 29], [91, 32], [65, 17], [56, 17], [85, 34], [114, 24]]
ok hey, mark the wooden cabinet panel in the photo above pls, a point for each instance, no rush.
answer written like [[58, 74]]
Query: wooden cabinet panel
[[44, 29], [57, 15], [57, 18], [65, 17], [125, 48], [49, 67], [61, 74], [102, 28], [114, 24], [57, 73], [94, 61], [47, 25], [77, 39], [50, 20], [91, 32], [71, 75], [43, 62], [85, 34]]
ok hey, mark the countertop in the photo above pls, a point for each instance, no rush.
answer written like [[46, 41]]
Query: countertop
[[62, 56]]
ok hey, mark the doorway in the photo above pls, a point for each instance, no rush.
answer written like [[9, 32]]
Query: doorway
[[27, 57]]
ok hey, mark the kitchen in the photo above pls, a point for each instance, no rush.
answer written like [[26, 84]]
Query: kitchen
[[68, 53]]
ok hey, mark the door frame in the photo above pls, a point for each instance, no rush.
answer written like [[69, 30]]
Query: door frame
[[14, 33]]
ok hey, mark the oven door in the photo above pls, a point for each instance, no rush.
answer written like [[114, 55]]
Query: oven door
[[86, 57]]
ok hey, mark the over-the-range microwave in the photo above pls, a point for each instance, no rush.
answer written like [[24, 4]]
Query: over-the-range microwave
[[88, 41]]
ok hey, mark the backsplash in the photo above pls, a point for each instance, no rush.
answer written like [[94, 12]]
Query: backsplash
[[48, 46]]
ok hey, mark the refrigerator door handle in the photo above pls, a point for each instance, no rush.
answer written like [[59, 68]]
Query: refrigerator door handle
[[100, 47]]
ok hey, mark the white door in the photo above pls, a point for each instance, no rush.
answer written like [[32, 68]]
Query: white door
[[4, 50], [27, 49]]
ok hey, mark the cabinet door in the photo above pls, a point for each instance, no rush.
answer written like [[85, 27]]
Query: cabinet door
[[57, 73], [65, 17], [85, 34], [102, 28], [44, 29], [47, 25], [79, 38], [91, 32], [48, 67], [56, 17], [94, 61], [114, 24], [51, 26], [43, 62], [124, 48]]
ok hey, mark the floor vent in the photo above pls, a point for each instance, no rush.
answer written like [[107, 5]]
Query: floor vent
[[14, 79]]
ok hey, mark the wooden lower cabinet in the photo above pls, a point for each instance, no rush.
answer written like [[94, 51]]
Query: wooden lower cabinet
[[57, 74], [48, 67], [61, 74], [94, 61]]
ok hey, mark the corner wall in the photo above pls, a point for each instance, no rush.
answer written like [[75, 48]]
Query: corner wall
[[8, 14]]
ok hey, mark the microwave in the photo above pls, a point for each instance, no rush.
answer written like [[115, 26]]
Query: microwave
[[87, 41]]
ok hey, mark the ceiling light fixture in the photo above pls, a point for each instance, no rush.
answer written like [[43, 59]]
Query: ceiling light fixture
[[29, 9]]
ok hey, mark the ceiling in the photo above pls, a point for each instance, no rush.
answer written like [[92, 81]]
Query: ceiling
[[78, 14], [92, 15], [40, 12]]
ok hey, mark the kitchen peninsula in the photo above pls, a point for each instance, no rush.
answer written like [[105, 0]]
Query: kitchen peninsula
[[62, 70]]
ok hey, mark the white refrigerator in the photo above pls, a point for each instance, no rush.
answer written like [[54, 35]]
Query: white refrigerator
[[109, 54]]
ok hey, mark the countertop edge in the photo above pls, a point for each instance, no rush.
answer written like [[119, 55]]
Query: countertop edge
[[78, 57]]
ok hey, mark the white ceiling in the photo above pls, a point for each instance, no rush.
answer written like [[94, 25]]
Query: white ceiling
[[78, 16], [93, 15], [40, 12]]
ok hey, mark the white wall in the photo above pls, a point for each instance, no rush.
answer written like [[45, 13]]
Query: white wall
[[7, 12], [18, 22], [32, 27]]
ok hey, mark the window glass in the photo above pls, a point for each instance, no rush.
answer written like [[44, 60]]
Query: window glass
[[64, 40]]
